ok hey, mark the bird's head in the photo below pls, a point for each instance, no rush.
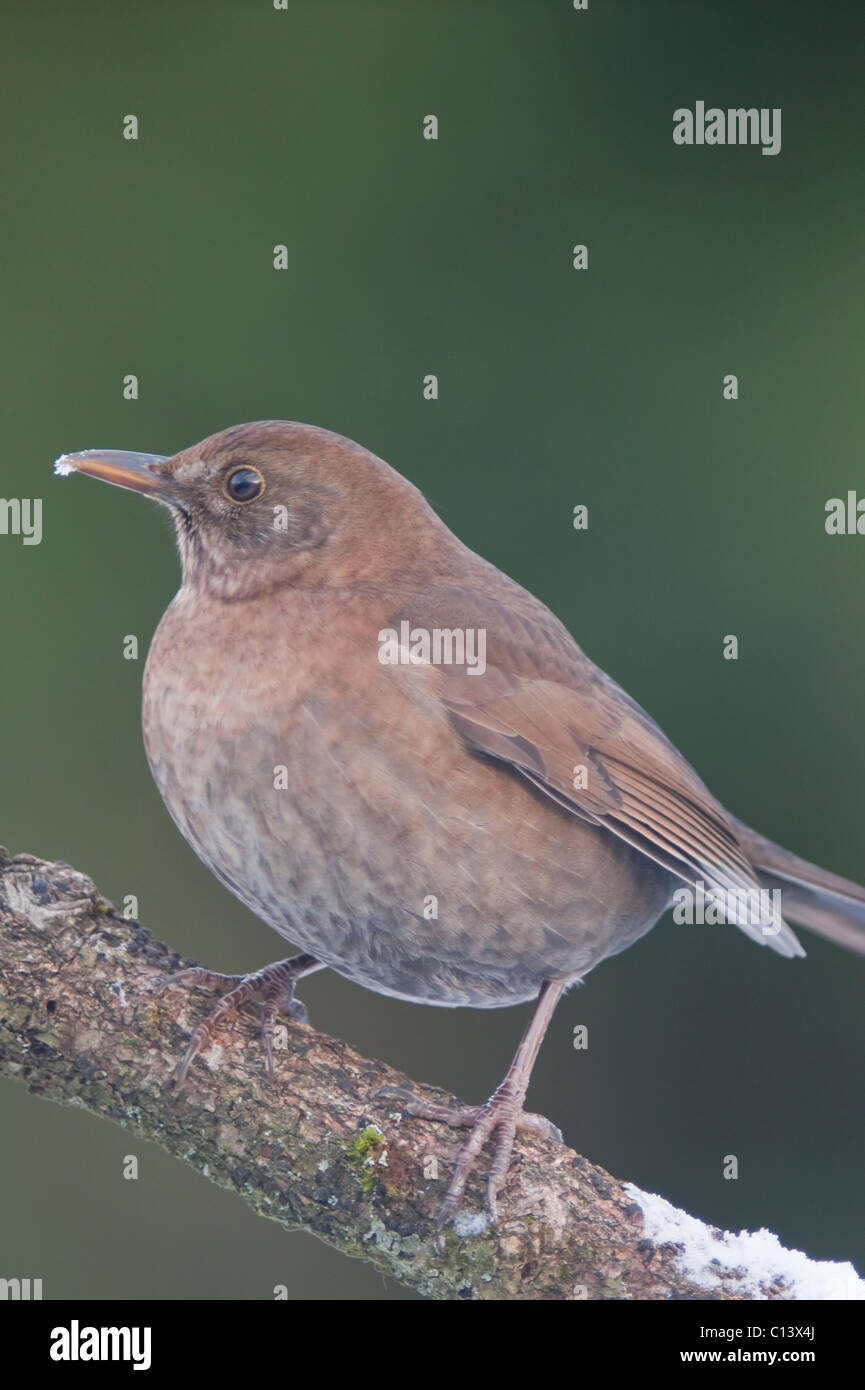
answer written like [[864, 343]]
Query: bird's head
[[275, 502]]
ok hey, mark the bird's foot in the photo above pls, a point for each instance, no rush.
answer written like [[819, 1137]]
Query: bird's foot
[[275, 983], [502, 1115]]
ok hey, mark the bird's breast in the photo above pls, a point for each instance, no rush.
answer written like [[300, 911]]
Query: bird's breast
[[332, 796]]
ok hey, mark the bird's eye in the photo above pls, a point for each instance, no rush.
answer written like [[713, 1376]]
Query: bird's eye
[[244, 485]]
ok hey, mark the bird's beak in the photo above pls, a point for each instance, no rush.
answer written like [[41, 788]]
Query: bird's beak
[[140, 472]]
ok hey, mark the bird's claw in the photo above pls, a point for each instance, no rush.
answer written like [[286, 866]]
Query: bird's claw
[[275, 983], [500, 1113]]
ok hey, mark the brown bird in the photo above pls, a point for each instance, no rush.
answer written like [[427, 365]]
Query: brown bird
[[401, 760]]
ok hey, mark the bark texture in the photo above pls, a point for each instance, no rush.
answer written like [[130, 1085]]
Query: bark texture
[[311, 1148]]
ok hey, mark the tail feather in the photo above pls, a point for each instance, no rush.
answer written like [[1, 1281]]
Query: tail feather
[[810, 896]]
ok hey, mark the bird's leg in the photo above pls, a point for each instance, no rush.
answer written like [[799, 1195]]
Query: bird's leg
[[275, 983], [503, 1115]]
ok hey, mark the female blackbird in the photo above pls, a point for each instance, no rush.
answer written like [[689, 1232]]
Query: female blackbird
[[401, 760]]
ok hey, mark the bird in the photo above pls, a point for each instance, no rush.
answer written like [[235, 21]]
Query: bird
[[400, 760]]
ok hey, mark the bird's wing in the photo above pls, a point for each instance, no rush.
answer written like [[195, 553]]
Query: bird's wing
[[544, 709]]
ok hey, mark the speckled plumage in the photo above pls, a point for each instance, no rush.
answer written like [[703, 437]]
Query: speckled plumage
[[383, 808]]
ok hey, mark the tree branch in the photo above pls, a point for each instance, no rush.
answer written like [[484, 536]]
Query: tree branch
[[311, 1148]]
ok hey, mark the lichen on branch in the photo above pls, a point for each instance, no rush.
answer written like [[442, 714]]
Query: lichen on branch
[[312, 1147]]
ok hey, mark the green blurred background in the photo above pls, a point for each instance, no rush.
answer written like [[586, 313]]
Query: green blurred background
[[408, 257]]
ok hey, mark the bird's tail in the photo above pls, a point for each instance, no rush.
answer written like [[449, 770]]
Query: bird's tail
[[812, 897]]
